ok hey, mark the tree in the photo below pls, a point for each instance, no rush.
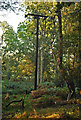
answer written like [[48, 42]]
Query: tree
[[14, 56], [10, 39], [14, 6], [51, 47], [38, 8]]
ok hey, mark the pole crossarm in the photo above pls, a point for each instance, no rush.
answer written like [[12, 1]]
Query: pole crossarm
[[35, 15]]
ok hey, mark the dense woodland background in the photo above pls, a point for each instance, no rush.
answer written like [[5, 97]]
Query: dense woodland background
[[59, 59]]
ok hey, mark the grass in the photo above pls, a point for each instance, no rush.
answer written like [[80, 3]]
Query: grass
[[15, 87], [15, 110]]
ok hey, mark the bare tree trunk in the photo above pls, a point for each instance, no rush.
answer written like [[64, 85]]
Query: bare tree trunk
[[41, 74], [63, 72], [38, 68], [60, 34], [42, 37]]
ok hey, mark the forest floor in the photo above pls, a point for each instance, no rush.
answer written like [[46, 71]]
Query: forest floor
[[15, 110]]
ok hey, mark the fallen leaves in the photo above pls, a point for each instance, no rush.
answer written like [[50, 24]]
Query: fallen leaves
[[7, 96], [77, 101], [80, 92], [38, 93], [19, 115], [54, 116]]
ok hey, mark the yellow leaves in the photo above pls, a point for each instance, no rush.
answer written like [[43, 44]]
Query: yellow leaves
[[80, 92], [26, 67], [49, 97], [77, 101], [20, 66], [24, 61], [63, 32], [23, 71], [58, 61], [16, 59], [61, 71], [24, 113], [55, 102], [50, 50], [18, 77], [17, 115], [4, 86], [65, 13], [7, 96], [54, 116], [44, 45], [54, 3], [13, 68], [35, 111], [28, 73], [66, 8], [73, 101], [35, 114]]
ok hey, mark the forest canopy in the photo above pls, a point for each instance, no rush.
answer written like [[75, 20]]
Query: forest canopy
[[59, 47]]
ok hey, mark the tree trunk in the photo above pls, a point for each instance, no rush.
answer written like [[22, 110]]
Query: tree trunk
[[63, 72], [60, 34], [42, 62], [41, 75], [37, 45], [38, 68]]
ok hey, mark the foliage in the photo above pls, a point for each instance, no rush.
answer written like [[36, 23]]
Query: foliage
[[17, 87], [16, 65], [13, 6], [46, 102], [48, 94], [46, 85], [18, 60], [24, 42]]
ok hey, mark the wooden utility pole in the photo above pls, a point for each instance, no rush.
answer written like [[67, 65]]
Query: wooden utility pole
[[37, 44]]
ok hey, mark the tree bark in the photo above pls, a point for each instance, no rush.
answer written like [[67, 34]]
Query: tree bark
[[37, 44], [41, 76], [38, 68], [63, 72], [60, 34]]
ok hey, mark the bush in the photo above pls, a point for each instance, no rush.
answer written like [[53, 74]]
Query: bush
[[47, 94], [46, 85], [17, 87]]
